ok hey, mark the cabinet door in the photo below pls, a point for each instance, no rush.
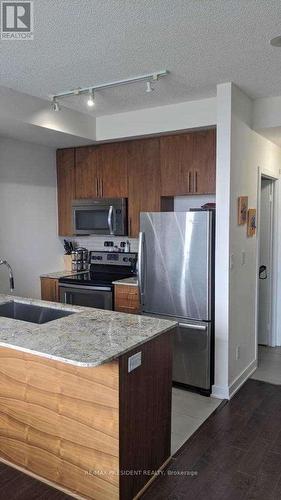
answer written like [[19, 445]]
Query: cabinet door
[[66, 190], [204, 162], [113, 170], [144, 180], [127, 299], [50, 289], [176, 157], [87, 183]]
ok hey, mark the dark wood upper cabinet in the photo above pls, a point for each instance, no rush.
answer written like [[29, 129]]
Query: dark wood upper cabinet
[[176, 158], [86, 172], [204, 162], [143, 180], [149, 172], [66, 189], [113, 170], [188, 163]]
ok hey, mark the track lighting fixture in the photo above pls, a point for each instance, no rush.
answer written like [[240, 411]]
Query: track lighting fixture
[[149, 88], [91, 99], [55, 104], [90, 91]]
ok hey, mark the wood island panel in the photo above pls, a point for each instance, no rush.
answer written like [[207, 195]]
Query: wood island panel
[[79, 428], [145, 414], [61, 422]]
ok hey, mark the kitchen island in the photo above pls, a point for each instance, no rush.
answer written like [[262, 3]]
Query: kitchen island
[[85, 400]]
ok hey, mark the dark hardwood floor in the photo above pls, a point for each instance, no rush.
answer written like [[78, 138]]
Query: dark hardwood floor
[[236, 454]]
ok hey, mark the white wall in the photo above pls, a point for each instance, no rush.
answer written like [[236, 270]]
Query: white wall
[[220, 388], [185, 203], [244, 154], [28, 215], [250, 152], [161, 119]]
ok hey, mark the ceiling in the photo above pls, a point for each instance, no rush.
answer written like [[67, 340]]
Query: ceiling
[[202, 43], [14, 129]]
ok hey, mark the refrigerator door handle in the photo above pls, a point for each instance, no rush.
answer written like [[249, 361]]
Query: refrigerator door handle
[[141, 267], [193, 327]]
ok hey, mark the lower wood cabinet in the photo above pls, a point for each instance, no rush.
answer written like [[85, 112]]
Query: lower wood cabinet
[[126, 299], [50, 289]]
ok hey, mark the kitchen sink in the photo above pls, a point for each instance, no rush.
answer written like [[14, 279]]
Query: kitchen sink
[[31, 313]]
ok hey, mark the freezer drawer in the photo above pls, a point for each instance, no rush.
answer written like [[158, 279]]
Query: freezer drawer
[[192, 355]]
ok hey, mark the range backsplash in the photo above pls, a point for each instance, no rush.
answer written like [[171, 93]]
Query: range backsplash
[[97, 242]]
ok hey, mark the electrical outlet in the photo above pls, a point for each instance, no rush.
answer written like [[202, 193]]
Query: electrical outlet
[[231, 261], [243, 258], [134, 361], [237, 352]]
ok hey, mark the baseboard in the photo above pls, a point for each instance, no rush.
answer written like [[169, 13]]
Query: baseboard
[[227, 392], [241, 379], [55, 486], [220, 391]]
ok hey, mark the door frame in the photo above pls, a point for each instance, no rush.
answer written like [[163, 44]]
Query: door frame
[[272, 338]]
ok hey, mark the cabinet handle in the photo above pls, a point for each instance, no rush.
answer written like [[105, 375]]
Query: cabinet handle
[[189, 181], [97, 186], [130, 226], [101, 183], [196, 182]]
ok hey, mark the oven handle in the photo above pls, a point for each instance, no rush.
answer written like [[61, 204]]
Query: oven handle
[[82, 287], [109, 219]]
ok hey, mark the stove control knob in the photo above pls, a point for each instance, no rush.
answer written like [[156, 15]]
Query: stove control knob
[[125, 259]]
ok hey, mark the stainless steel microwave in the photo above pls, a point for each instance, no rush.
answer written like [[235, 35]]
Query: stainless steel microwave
[[100, 216]]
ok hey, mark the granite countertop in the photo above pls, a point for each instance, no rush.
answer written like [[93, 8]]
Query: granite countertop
[[133, 281], [88, 338], [59, 274]]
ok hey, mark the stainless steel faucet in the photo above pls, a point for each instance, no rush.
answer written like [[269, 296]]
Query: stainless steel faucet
[[11, 276]]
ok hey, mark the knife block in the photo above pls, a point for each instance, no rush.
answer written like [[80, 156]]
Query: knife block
[[67, 259]]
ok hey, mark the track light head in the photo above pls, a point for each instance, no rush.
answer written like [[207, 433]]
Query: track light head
[[149, 88], [55, 105], [91, 98]]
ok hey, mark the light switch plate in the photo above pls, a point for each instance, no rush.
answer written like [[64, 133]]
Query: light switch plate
[[134, 361]]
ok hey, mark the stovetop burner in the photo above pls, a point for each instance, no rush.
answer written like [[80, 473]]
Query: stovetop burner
[[105, 267]]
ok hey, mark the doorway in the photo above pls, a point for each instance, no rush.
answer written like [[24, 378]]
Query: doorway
[[269, 356], [265, 262]]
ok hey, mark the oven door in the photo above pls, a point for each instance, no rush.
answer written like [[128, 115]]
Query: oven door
[[87, 296]]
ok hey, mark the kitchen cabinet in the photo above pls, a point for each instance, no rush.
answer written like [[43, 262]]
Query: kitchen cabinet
[[126, 299], [204, 162], [149, 172], [113, 170], [50, 289], [87, 182], [101, 171], [143, 180], [176, 159], [78, 428], [66, 189], [188, 163]]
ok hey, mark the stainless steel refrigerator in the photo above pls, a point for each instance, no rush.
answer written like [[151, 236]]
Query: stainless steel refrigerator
[[176, 280]]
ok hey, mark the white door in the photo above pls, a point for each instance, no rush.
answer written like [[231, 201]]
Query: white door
[[265, 261]]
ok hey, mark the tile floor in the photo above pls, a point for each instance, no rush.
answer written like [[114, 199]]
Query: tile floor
[[189, 411], [269, 365]]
